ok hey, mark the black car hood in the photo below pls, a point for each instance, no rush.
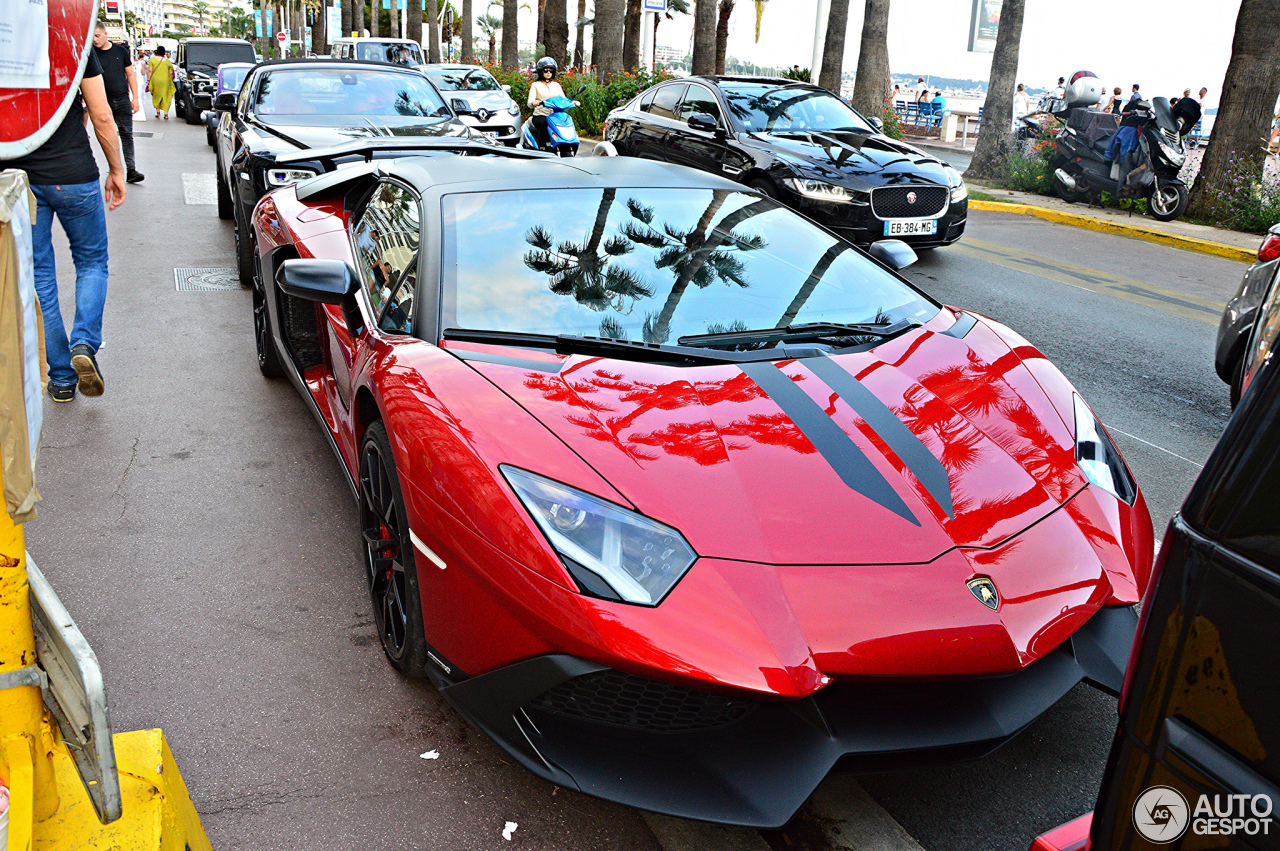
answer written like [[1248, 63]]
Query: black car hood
[[840, 156], [302, 132]]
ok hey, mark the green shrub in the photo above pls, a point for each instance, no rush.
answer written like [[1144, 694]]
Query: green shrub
[[892, 124], [1027, 165]]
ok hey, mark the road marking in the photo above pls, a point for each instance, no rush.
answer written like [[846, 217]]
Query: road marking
[[199, 189], [841, 816], [677, 834], [1104, 283], [1154, 446]]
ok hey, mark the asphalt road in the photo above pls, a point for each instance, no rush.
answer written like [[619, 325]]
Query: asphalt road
[[196, 526]]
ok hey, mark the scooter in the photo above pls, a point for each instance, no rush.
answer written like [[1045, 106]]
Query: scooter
[[1149, 170], [564, 136]]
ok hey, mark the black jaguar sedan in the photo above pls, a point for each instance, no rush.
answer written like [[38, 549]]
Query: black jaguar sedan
[[288, 112], [802, 145]]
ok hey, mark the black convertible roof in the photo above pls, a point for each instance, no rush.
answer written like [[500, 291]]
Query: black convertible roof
[[502, 172]]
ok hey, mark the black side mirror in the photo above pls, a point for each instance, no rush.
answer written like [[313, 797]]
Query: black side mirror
[[226, 102], [460, 106], [877, 123], [326, 282], [704, 121], [894, 253]]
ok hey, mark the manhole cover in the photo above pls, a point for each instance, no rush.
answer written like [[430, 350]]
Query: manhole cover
[[201, 280]]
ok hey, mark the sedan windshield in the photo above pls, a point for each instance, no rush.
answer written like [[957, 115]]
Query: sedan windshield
[[764, 108], [206, 57], [462, 79], [347, 92], [397, 53], [653, 265]]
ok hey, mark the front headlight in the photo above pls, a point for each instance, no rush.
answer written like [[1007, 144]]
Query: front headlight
[[816, 190], [514, 109], [1175, 156], [1098, 457], [959, 193], [288, 176], [611, 551]]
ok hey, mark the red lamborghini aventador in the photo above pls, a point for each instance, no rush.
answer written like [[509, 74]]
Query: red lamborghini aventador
[[682, 499]]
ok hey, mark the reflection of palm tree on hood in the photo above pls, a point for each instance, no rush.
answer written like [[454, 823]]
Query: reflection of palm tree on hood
[[698, 256], [581, 270]]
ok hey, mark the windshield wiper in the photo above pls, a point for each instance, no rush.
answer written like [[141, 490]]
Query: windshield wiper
[[577, 344], [803, 331]]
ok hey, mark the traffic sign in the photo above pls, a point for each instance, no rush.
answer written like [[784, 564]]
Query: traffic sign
[[655, 6], [282, 36]]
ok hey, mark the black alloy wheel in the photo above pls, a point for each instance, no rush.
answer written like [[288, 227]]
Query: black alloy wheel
[[244, 245], [268, 356], [192, 115], [764, 187], [226, 210], [389, 556]]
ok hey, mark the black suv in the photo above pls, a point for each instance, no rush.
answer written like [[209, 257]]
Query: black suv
[[196, 71]]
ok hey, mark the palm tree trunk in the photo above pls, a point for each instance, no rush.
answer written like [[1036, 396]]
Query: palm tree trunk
[[1236, 155], [607, 49], [722, 34], [631, 36], [468, 49], [831, 74], [493, 47], [578, 47], [510, 45], [873, 58], [997, 115], [811, 283], [704, 37], [357, 15], [556, 31], [416, 23], [320, 29]]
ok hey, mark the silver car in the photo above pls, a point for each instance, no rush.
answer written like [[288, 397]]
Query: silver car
[[1241, 312], [478, 99]]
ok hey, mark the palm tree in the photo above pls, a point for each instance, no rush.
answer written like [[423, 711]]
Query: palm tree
[[580, 25], [697, 256], [704, 37], [585, 270], [606, 52], [832, 70], [722, 33], [490, 25], [510, 44], [556, 31], [871, 88], [199, 8], [468, 49], [993, 136], [759, 16], [346, 17], [631, 35]]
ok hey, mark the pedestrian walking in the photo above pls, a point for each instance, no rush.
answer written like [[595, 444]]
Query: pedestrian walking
[[1137, 95], [1116, 104], [160, 82], [64, 180], [121, 86]]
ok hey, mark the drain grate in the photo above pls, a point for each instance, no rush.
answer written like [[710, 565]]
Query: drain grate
[[205, 279]]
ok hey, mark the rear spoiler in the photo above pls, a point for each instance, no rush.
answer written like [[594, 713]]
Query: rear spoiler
[[383, 147]]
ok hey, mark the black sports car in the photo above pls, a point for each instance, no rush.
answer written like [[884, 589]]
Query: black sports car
[[286, 110], [802, 145]]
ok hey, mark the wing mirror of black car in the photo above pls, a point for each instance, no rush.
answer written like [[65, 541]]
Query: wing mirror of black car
[[894, 253], [877, 123], [225, 102], [704, 121], [460, 106], [326, 282]]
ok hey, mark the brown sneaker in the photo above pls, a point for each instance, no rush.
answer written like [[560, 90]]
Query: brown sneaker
[[86, 367]]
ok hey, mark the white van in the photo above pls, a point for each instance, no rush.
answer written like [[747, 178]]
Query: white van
[[397, 51]]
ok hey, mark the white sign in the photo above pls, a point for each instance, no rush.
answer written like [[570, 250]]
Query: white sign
[[335, 25], [24, 45], [654, 6]]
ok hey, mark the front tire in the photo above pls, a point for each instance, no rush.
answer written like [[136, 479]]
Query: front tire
[[268, 356], [226, 211], [244, 247], [1167, 202], [192, 115], [178, 108], [389, 556]]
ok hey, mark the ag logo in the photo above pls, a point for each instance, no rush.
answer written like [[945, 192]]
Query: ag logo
[[1161, 814]]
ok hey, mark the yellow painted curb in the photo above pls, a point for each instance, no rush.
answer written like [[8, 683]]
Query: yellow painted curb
[[1190, 243]]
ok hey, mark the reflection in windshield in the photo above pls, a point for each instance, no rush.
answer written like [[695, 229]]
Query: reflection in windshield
[[620, 262], [395, 53], [355, 92], [207, 57], [772, 109], [462, 79]]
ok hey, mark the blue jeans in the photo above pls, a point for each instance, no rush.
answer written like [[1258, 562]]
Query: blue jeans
[[80, 209]]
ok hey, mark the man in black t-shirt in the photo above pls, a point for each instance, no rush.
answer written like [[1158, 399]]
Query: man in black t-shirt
[[122, 93], [64, 180]]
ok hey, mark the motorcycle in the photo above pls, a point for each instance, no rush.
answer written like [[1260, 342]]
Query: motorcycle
[[1087, 159], [564, 136]]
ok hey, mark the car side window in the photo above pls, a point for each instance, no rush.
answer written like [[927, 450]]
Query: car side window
[[386, 239], [665, 100], [699, 99], [646, 101]]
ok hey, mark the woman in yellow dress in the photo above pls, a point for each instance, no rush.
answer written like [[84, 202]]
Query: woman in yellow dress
[[160, 81]]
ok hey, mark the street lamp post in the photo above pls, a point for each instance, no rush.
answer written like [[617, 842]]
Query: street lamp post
[[819, 39]]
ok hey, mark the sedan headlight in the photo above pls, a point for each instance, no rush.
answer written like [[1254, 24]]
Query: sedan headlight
[[818, 191], [611, 551], [959, 193], [1098, 457], [288, 176], [514, 109]]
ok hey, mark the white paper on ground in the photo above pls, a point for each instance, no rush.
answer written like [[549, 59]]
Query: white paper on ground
[[430, 755], [508, 830]]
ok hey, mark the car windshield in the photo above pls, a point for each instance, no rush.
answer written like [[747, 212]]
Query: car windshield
[[355, 92], [653, 265], [233, 78], [462, 79], [205, 58], [395, 52], [765, 108]]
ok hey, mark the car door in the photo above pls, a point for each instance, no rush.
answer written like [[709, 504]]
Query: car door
[[658, 121], [700, 149], [385, 240], [1196, 760]]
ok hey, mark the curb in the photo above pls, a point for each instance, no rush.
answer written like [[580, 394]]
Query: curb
[[1189, 243]]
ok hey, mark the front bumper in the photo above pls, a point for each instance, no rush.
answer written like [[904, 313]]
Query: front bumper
[[725, 759], [856, 222], [501, 127]]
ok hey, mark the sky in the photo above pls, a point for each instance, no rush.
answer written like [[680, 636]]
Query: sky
[[1164, 45]]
